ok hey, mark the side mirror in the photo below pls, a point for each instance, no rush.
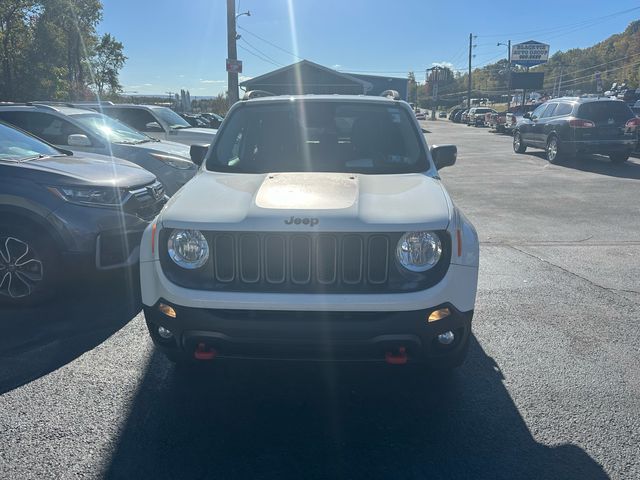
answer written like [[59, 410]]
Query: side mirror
[[198, 153], [78, 140], [444, 155], [527, 115], [153, 127]]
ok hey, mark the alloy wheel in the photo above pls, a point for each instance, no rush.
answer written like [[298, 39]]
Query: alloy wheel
[[552, 149], [20, 268]]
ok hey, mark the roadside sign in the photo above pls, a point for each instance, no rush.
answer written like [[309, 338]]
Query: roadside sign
[[529, 53], [234, 66]]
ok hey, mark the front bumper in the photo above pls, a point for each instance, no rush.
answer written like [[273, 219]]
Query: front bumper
[[310, 336], [98, 238]]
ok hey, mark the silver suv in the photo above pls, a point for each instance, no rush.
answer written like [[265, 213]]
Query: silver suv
[[83, 130]]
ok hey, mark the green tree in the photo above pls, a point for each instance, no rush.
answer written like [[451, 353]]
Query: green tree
[[107, 60]]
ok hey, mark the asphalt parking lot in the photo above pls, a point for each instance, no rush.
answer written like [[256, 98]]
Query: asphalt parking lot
[[551, 388]]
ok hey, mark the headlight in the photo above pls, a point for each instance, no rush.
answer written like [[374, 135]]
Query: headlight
[[174, 161], [419, 251], [188, 248], [94, 196]]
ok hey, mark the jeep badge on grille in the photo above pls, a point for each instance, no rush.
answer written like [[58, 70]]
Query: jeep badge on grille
[[304, 221]]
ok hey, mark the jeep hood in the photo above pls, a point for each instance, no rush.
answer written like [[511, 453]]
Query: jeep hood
[[283, 201]]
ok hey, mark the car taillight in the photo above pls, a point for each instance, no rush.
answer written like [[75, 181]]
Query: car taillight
[[633, 123], [580, 123]]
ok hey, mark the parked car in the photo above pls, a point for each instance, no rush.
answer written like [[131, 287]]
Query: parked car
[[464, 117], [215, 120], [515, 114], [457, 118], [476, 116], [159, 122], [567, 127], [453, 113], [62, 213], [308, 240], [421, 116], [83, 130], [195, 120], [442, 114]]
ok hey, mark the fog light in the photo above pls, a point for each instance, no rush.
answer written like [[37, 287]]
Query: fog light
[[439, 315], [446, 338], [167, 310], [164, 332]]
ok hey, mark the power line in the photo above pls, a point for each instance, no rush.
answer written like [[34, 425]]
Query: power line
[[260, 52], [561, 27], [258, 56], [270, 43]]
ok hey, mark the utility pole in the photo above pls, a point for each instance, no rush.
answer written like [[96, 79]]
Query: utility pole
[[560, 79], [435, 75], [469, 79], [232, 51], [508, 45]]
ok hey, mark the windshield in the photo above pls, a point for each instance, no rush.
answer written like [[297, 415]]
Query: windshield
[[319, 137], [109, 128], [171, 118], [15, 145]]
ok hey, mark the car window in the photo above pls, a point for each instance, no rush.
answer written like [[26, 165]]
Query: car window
[[109, 128], [328, 136], [550, 110], [137, 118], [15, 145], [170, 117], [537, 113], [564, 109], [604, 111], [50, 128]]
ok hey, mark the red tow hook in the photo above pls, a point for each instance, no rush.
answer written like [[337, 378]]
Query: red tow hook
[[204, 353], [399, 358]]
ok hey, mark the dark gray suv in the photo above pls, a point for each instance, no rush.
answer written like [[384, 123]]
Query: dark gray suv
[[61, 214], [572, 126]]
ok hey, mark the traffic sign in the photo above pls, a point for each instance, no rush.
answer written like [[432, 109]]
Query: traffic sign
[[529, 53], [234, 66]]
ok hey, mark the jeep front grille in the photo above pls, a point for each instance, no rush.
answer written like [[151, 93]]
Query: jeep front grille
[[302, 263], [300, 260]]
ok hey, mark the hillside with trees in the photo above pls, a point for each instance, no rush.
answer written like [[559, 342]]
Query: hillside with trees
[[617, 59], [50, 50]]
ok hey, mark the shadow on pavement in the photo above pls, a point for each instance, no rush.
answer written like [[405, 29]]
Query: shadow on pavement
[[40, 339], [274, 421], [599, 164]]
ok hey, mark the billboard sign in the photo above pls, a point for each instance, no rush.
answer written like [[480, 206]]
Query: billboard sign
[[527, 80], [529, 54]]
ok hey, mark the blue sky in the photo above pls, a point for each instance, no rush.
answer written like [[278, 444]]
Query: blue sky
[[182, 44]]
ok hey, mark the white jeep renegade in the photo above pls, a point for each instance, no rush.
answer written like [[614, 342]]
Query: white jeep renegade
[[317, 228]]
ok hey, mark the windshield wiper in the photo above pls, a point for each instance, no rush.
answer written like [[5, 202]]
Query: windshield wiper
[[42, 155]]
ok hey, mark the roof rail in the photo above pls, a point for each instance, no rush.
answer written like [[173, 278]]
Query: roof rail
[[251, 94], [392, 94]]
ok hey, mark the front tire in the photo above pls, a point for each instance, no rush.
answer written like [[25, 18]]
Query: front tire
[[518, 144], [618, 158], [29, 267]]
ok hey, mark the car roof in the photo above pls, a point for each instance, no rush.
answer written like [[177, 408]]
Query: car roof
[[44, 107], [325, 98], [584, 99]]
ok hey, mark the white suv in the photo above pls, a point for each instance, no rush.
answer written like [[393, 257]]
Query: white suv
[[317, 228], [159, 122]]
